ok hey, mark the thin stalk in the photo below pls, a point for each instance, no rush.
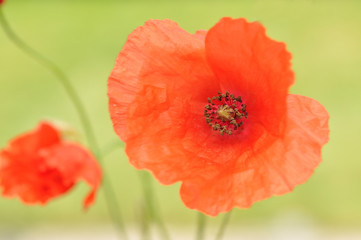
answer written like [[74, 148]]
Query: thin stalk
[[201, 224], [60, 76], [223, 226], [144, 221], [111, 146], [153, 210], [113, 207], [108, 191]]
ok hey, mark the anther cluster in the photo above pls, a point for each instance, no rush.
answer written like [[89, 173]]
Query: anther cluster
[[225, 113]]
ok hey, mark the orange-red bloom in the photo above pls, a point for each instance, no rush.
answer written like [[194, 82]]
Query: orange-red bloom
[[38, 166], [212, 110], [2, 1]]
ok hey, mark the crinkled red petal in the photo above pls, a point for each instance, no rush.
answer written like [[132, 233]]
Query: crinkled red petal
[[45, 135], [74, 163], [275, 170], [161, 56], [253, 66], [37, 167], [149, 92]]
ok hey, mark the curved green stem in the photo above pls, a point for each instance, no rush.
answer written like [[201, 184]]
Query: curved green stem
[[223, 226], [201, 224], [75, 99], [152, 210], [60, 76]]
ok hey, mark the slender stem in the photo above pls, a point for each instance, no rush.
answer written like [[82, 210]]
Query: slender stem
[[153, 210], [60, 76], [113, 207], [223, 226], [201, 224], [144, 221], [111, 146], [147, 204], [75, 99]]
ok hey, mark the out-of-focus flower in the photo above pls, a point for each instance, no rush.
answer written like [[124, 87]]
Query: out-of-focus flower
[[38, 166], [212, 110], [2, 1]]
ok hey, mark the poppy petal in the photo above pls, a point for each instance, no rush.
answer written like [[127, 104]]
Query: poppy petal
[[250, 64], [75, 163], [160, 144], [276, 170], [38, 166], [159, 56], [43, 136], [159, 64]]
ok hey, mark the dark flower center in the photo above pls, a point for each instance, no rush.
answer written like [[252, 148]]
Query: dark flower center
[[225, 113]]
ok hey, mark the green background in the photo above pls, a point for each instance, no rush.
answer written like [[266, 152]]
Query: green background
[[84, 38]]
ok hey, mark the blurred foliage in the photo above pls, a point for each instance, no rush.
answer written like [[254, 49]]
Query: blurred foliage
[[84, 37]]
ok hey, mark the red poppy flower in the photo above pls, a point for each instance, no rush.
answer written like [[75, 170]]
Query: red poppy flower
[[2, 1], [38, 166], [212, 110]]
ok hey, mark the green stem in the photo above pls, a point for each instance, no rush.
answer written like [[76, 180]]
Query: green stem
[[111, 146], [144, 221], [113, 207], [201, 224], [61, 77], [223, 226], [75, 99], [153, 210]]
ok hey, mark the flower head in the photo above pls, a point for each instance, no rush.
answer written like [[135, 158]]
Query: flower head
[[38, 166], [2, 1], [212, 110]]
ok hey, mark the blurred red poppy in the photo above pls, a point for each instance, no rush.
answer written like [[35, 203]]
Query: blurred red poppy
[[2, 1], [212, 110], [38, 166]]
